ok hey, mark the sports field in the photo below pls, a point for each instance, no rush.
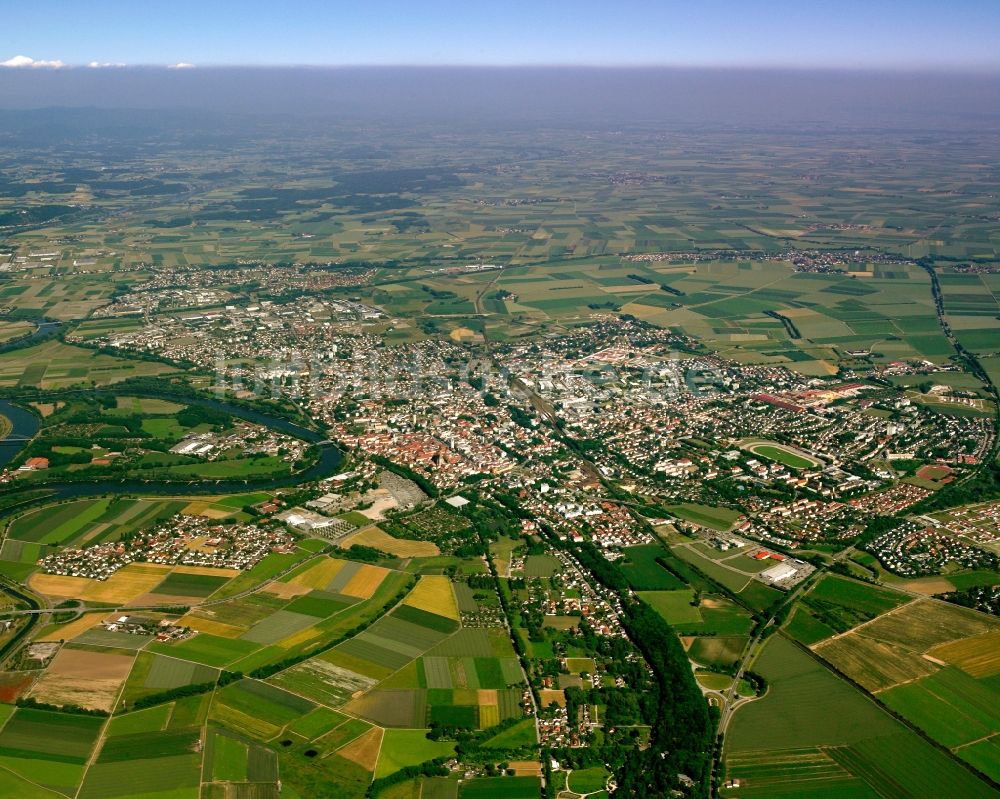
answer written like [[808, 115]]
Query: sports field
[[780, 453]]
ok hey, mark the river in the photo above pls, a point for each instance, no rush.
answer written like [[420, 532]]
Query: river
[[25, 425], [42, 329]]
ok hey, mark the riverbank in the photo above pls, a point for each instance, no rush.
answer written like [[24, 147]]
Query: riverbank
[[25, 426]]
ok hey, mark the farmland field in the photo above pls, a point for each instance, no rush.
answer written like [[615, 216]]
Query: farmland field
[[402, 748], [583, 781], [57, 523], [148, 720], [978, 655], [644, 573], [323, 681], [434, 594], [263, 701], [206, 649], [714, 518], [836, 604], [890, 650], [317, 722], [507, 787], [821, 713], [675, 606], [717, 651], [84, 678], [177, 775], [53, 364], [540, 566], [187, 584], [401, 547], [48, 748]]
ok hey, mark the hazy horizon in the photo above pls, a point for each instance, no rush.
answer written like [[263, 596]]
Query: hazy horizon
[[509, 95]]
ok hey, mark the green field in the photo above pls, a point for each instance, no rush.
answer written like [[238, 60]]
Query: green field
[[190, 585], [209, 650], [48, 748], [806, 628], [715, 518], [520, 734], [820, 711], [401, 748], [497, 787], [644, 573], [836, 604], [675, 606], [96, 519], [172, 776], [263, 701], [316, 722], [267, 569], [139, 745], [717, 651], [148, 720], [167, 672], [588, 780], [956, 710], [541, 566], [57, 524]]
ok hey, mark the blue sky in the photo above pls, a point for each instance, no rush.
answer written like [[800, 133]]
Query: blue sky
[[895, 34]]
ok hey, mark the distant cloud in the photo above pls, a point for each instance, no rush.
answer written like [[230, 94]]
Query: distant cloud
[[103, 65], [22, 62], [181, 65]]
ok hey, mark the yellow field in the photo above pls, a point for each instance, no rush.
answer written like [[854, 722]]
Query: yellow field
[[978, 656], [67, 632], [203, 508], [211, 626], [123, 586], [548, 695], [365, 581], [128, 583], [489, 708], [364, 749], [212, 571], [319, 576], [299, 638], [434, 594], [489, 716], [56, 585], [286, 590], [400, 547]]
